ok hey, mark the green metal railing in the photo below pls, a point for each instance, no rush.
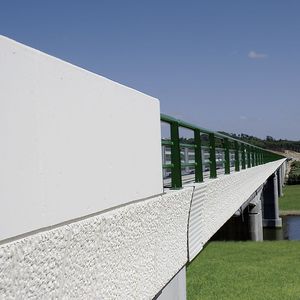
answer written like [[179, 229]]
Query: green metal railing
[[250, 155]]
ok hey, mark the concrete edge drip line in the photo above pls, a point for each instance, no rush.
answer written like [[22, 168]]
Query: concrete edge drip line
[[188, 224], [51, 227]]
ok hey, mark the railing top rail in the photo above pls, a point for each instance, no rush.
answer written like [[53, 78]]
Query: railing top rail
[[169, 119]]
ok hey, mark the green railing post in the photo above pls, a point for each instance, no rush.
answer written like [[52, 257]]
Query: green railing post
[[248, 156], [212, 156], [227, 156], [175, 156], [243, 156], [252, 156], [266, 157], [198, 156], [236, 156]]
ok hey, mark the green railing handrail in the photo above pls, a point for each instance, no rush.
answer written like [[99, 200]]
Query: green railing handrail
[[255, 155]]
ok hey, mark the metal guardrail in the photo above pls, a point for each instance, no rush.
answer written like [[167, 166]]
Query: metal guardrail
[[245, 155]]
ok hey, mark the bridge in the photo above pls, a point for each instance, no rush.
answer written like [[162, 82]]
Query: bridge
[[94, 203]]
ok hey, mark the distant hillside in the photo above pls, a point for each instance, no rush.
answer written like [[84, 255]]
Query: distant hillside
[[268, 143]]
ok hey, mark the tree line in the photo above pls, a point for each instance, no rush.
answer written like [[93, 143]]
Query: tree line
[[268, 143]]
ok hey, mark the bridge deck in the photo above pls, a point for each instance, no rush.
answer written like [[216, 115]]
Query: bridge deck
[[216, 200]]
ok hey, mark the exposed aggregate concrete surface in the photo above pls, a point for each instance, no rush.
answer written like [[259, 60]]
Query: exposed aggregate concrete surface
[[128, 253]]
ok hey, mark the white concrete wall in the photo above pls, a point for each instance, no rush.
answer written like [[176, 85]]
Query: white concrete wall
[[128, 253], [69, 141], [216, 200]]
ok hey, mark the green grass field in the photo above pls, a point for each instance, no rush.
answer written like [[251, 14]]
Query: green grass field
[[291, 199], [246, 270]]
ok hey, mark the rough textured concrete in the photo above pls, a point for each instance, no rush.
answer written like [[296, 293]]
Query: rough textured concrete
[[215, 201], [127, 253]]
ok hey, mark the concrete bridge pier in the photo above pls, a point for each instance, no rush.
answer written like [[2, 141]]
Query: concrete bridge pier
[[245, 224], [280, 181], [270, 202], [255, 219]]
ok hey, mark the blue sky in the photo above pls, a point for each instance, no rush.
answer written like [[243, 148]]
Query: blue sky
[[224, 65]]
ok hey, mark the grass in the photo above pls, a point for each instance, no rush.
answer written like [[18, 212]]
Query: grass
[[291, 199], [246, 270]]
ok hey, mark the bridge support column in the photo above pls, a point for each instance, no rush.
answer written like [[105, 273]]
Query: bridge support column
[[270, 203], [255, 220], [280, 181], [175, 289]]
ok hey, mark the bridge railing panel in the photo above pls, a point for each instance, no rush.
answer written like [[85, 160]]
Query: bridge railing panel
[[206, 154]]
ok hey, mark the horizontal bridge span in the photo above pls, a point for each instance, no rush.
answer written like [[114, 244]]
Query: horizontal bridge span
[[215, 201], [150, 241]]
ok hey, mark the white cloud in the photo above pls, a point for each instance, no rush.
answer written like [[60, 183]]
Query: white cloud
[[255, 55]]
